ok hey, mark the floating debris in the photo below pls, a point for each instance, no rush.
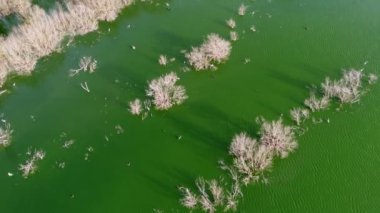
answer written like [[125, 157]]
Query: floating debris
[[10, 174], [87, 63], [85, 87], [252, 28]]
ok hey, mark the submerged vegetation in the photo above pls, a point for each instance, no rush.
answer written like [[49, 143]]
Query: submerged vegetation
[[5, 134]]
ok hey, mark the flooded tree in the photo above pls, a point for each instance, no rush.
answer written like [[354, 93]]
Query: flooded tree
[[163, 60], [234, 36], [372, 78], [214, 50], [316, 104], [86, 64], [242, 10], [135, 107], [346, 89], [30, 166], [165, 92], [189, 199], [278, 138], [251, 158], [299, 114], [231, 23]]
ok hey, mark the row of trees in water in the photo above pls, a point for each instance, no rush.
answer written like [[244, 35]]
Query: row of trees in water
[[42, 33], [252, 158]]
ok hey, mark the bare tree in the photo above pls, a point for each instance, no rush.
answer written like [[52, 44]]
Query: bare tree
[[278, 138], [165, 92], [163, 60], [316, 104], [231, 23], [234, 36], [189, 199], [213, 50], [242, 10], [30, 166], [251, 159], [135, 107], [86, 64], [298, 115], [346, 89], [372, 78]]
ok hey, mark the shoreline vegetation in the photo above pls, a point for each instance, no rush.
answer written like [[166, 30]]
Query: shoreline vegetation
[[42, 33]]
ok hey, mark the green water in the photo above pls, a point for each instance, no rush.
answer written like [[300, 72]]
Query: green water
[[297, 43]]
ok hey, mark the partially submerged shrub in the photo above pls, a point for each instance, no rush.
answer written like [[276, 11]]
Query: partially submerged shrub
[[86, 64], [372, 78], [298, 115], [231, 23], [210, 195], [135, 107], [278, 138], [189, 199], [30, 166], [163, 60], [213, 50], [242, 10], [5, 134], [234, 36], [165, 92], [346, 89], [251, 159], [316, 104]]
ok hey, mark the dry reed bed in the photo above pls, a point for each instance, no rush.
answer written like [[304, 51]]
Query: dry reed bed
[[43, 32]]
